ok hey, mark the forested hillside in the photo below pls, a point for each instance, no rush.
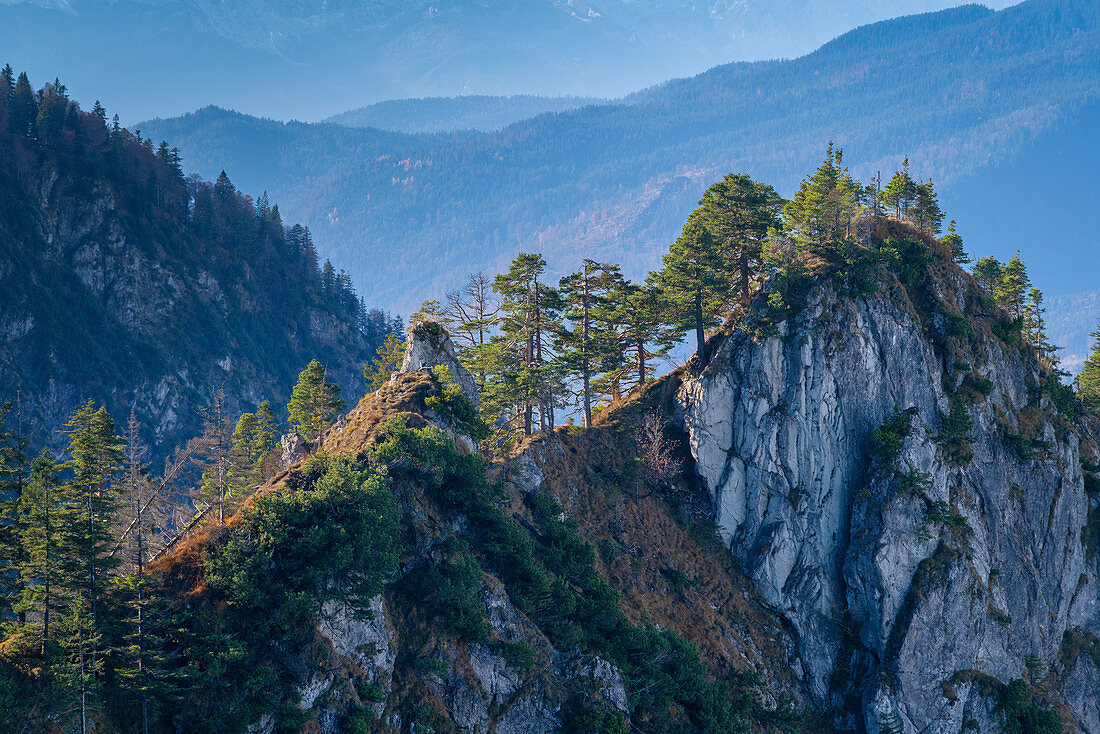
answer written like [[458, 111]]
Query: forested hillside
[[308, 59], [960, 92], [123, 281], [847, 512], [447, 114]]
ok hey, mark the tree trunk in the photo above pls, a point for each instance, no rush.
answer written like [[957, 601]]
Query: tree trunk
[[700, 337]]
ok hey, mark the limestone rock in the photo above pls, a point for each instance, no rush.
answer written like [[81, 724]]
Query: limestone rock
[[294, 449], [429, 346], [780, 432]]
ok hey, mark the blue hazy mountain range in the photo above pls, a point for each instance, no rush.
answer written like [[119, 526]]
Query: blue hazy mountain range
[[999, 108], [309, 59]]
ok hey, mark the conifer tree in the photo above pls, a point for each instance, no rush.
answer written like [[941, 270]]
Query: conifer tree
[[223, 187], [522, 358], [86, 517], [696, 280], [267, 426], [987, 271], [249, 446], [825, 204], [953, 241], [639, 323], [738, 212], [900, 192], [385, 362], [41, 569], [1035, 326], [430, 310], [7, 85], [314, 402], [24, 107], [585, 296], [12, 485], [1013, 286], [1088, 382], [926, 212]]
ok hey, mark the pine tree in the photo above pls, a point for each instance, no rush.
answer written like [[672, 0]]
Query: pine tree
[[24, 107], [430, 310], [738, 212], [7, 85], [12, 484], [1035, 327], [246, 452], [987, 272], [314, 402], [642, 334], [52, 113], [1088, 382], [522, 358], [385, 362], [1013, 286], [223, 187], [696, 280], [953, 241], [582, 349], [825, 204], [926, 212], [41, 569], [86, 515], [901, 191]]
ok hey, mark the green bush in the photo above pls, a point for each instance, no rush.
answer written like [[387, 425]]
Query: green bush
[[451, 403], [887, 439], [457, 597], [958, 325], [1062, 395], [1024, 716], [296, 548], [1009, 331], [554, 581], [954, 431]]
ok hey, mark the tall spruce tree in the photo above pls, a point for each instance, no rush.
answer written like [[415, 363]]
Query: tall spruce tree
[[87, 518], [987, 271], [43, 589], [900, 191], [314, 402], [825, 204], [1088, 381], [13, 472], [953, 241], [926, 212], [1013, 286]]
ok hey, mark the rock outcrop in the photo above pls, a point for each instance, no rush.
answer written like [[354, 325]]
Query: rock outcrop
[[907, 583], [429, 345]]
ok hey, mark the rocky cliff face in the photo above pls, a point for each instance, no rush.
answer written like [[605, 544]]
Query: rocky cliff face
[[112, 289], [910, 582]]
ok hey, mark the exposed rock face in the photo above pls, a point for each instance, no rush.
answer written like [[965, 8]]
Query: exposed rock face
[[152, 322], [876, 578], [294, 449], [429, 346]]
